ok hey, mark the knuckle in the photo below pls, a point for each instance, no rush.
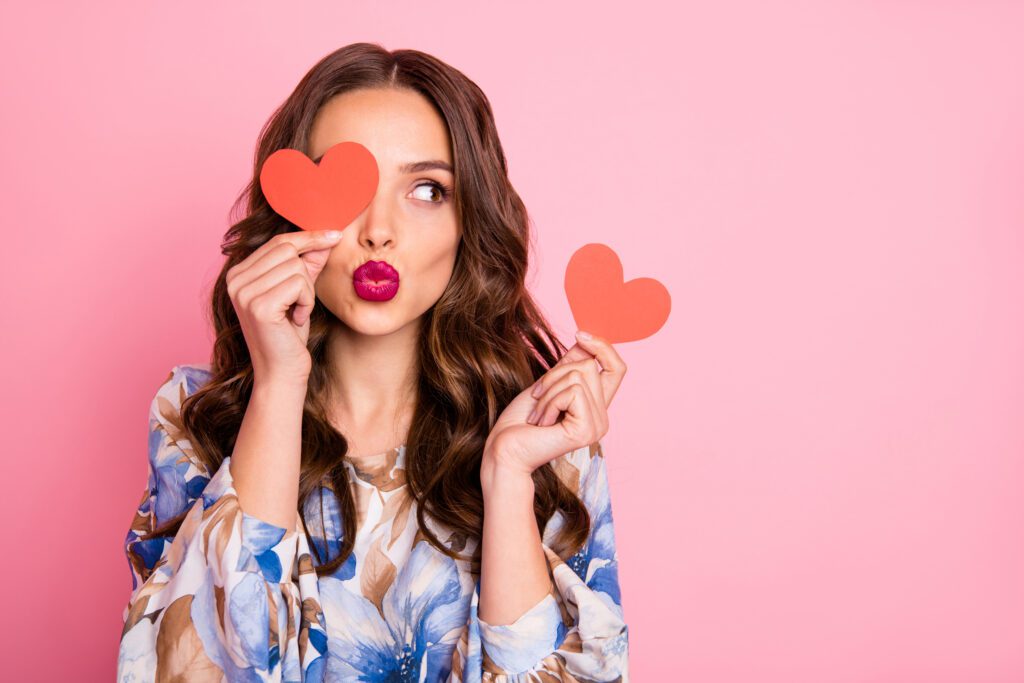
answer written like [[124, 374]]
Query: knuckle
[[281, 248], [243, 295], [258, 307]]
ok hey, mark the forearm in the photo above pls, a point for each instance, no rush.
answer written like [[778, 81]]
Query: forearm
[[514, 570], [266, 460]]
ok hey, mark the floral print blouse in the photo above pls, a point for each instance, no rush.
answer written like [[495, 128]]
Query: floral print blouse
[[232, 597]]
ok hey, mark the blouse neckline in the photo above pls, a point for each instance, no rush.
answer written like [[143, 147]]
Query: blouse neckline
[[385, 470], [359, 458]]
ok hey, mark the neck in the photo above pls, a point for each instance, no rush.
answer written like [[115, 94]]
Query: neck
[[373, 380]]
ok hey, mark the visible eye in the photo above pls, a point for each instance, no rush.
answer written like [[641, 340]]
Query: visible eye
[[442, 192]]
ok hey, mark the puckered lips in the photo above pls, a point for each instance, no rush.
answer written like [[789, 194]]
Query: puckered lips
[[375, 281]]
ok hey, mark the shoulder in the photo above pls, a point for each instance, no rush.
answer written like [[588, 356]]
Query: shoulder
[[574, 467], [180, 382], [177, 475]]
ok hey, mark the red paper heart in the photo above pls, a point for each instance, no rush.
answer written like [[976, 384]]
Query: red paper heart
[[327, 196], [606, 306]]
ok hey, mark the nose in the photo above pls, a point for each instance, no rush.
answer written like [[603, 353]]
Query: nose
[[377, 229]]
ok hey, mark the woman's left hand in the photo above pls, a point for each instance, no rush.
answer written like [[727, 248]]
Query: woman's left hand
[[575, 385]]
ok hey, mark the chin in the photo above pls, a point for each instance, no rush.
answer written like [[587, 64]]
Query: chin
[[371, 319]]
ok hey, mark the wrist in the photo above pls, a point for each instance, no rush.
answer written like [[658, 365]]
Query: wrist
[[277, 391], [497, 477], [279, 396]]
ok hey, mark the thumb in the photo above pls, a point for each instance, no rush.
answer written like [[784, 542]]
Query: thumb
[[576, 352], [315, 260], [562, 436]]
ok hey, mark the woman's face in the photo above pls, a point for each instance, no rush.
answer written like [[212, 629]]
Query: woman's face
[[409, 224]]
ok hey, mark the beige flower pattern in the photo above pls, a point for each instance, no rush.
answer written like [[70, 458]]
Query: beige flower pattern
[[231, 597]]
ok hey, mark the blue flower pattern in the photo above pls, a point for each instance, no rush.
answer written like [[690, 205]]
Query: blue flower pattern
[[233, 597]]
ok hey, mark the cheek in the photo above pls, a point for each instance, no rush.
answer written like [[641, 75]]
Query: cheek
[[436, 264], [440, 255], [334, 277]]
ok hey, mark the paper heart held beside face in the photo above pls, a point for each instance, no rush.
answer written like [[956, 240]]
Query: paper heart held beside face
[[603, 304], [324, 196], [331, 194]]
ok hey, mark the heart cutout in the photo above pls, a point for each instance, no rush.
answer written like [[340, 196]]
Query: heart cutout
[[603, 304], [324, 196]]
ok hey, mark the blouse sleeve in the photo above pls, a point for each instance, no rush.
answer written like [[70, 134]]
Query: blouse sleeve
[[577, 631], [230, 596]]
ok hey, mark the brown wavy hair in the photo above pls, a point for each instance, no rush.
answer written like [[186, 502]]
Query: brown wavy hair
[[482, 343]]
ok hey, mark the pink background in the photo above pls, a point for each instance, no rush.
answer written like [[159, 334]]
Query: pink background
[[816, 466]]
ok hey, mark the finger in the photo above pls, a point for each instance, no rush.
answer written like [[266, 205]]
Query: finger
[[613, 368], [287, 246], [281, 255], [578, 405], [569, 433], [304, 306], [576, 352], [281, 247], [247, 294], [544, 410], [273, 304], [306, 240], [315, 261], [588, 367]]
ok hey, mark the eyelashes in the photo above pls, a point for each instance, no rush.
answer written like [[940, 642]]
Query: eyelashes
[[444, 190]]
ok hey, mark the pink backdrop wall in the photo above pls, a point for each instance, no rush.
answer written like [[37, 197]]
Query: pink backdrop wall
[[816, 466]]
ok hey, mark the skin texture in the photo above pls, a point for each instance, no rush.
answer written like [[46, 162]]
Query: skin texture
[[413, 227], [408, 224], [531, 431], [274, 289]]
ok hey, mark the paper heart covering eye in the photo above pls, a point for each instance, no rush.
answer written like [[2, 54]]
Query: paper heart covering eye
[[324, 196], [603, 304]]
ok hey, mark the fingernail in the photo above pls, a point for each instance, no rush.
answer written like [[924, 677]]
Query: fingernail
[[536, 390], [333, 234], [532, 416], [584, 335]]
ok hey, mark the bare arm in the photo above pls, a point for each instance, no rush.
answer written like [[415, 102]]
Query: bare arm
[[266, 459], [514, 571], [272, 291]]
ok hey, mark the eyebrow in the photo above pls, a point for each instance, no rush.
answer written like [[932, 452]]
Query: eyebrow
[[415, 166]]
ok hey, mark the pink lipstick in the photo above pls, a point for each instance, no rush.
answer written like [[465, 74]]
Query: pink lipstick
[[375, 281]]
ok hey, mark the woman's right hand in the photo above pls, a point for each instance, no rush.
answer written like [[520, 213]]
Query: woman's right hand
[[263, 288]]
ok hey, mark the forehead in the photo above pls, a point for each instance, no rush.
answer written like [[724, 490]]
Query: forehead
[[397, 126]]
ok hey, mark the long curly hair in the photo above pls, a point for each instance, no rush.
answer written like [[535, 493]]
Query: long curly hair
[[482, 343]]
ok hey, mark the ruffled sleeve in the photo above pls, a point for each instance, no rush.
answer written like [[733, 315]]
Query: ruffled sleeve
[[576, 632], [229, 596]]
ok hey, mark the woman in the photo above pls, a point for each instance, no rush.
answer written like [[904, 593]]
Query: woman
[[391, 469]]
